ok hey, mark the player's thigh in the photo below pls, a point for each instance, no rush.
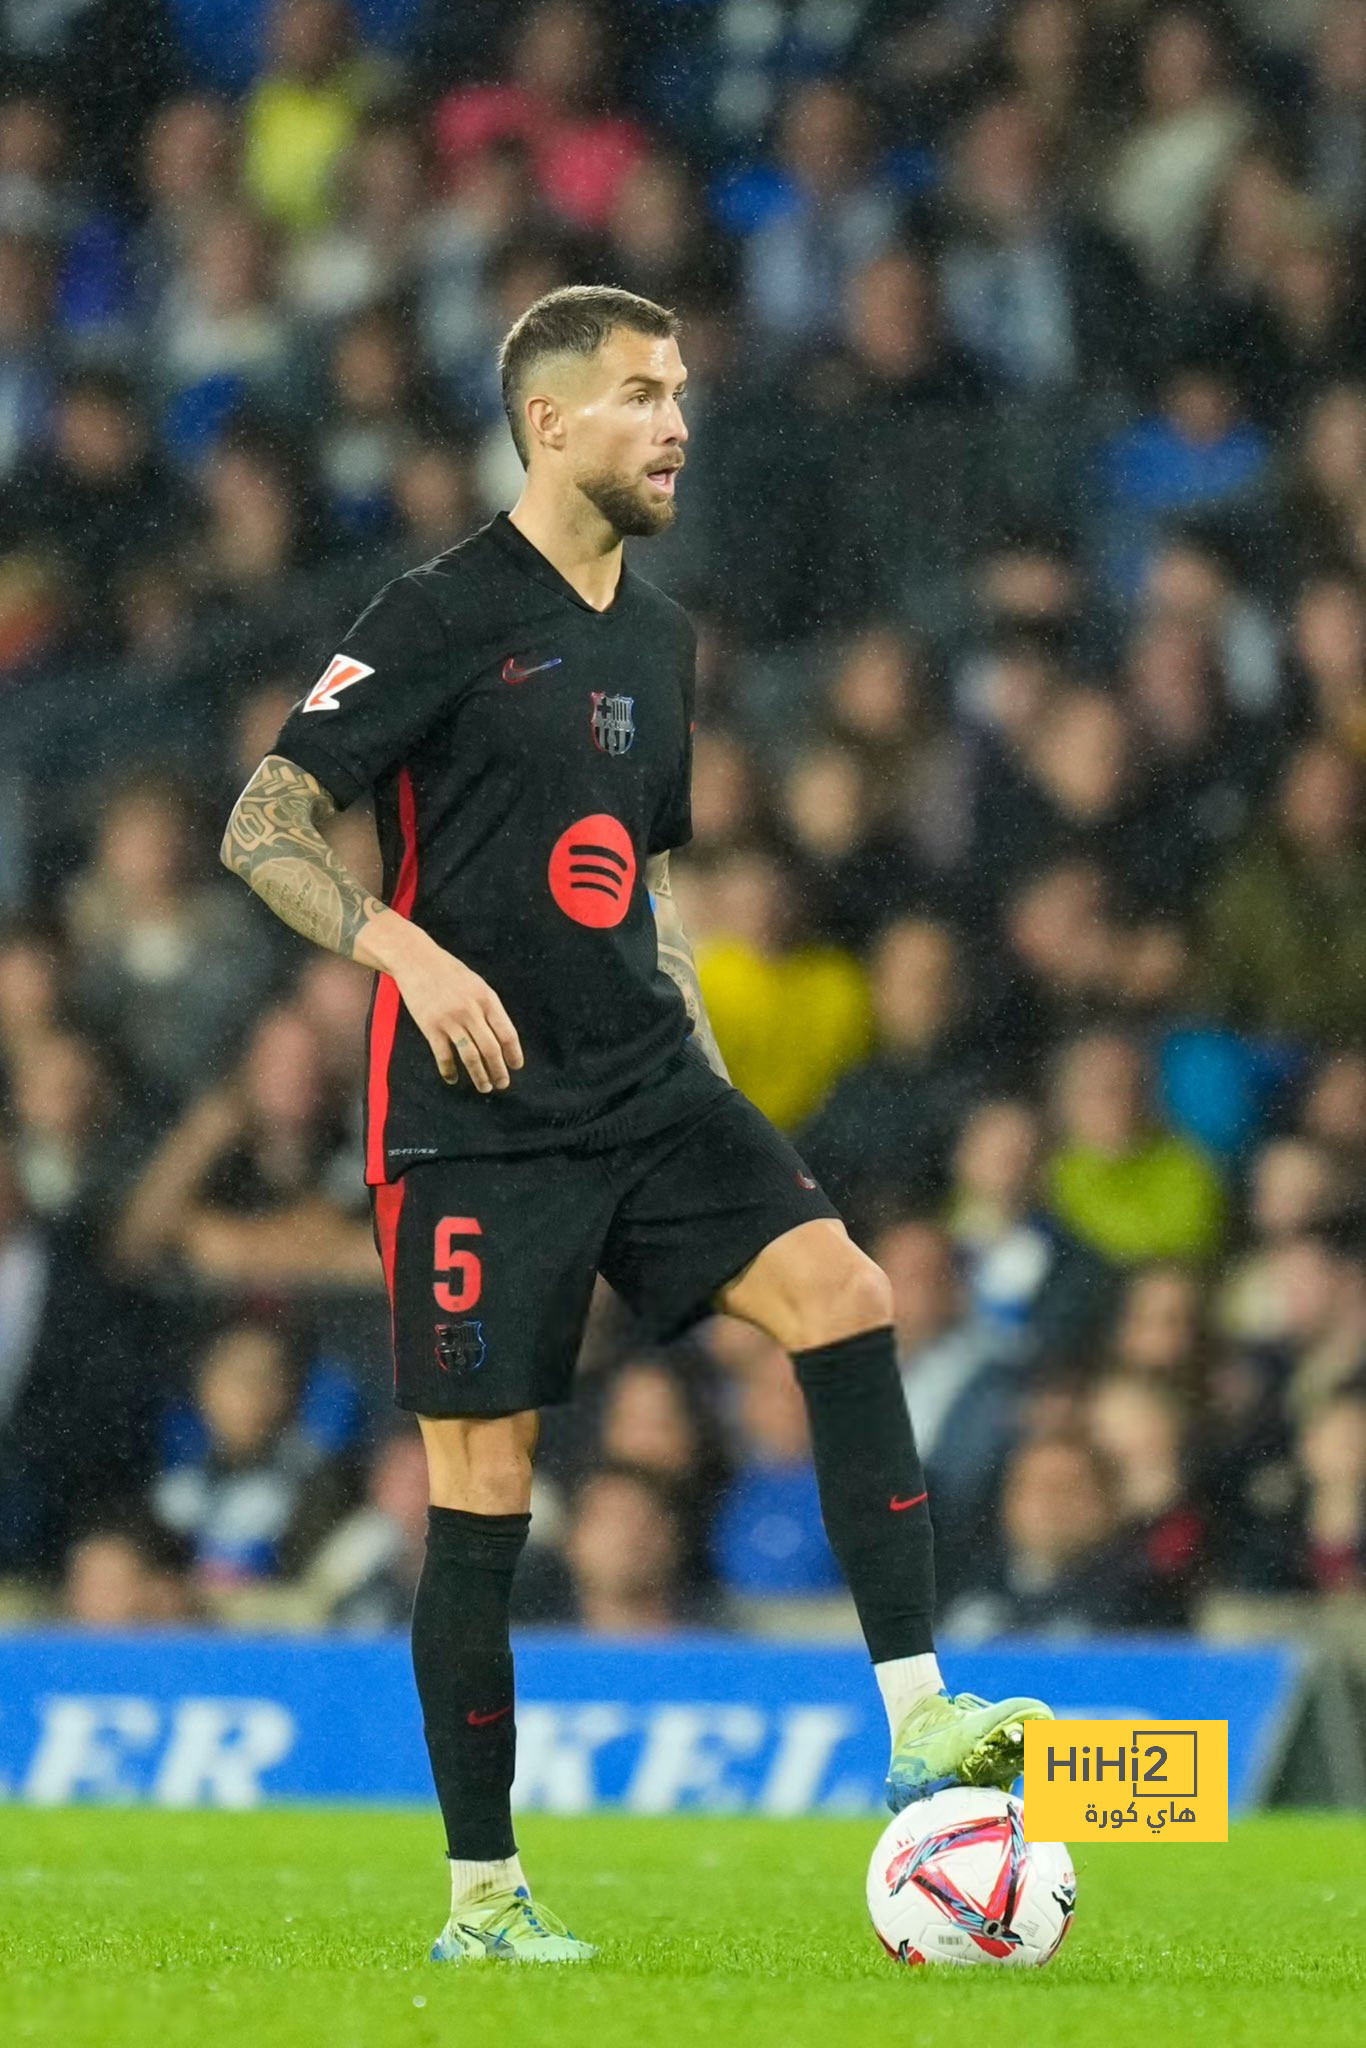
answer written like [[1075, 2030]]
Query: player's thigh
[[705, 1204], [491, 1264]]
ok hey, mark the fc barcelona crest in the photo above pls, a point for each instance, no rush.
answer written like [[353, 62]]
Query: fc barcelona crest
[[614, 723], [460, 1347]]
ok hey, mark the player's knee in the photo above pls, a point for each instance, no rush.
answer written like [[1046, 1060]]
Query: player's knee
[[847, 1294], [480, 1465]]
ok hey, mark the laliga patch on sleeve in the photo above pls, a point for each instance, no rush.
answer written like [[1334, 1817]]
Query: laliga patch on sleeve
[[1121, 1781], [339, 674]]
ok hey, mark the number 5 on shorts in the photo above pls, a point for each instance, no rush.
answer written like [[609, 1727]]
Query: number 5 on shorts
[[465, 1267]]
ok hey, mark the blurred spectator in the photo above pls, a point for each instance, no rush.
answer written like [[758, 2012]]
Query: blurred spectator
[[555, 104], [1335, 112], [769, 1540], [1295, 1189], [757, 982], [33, 980], [492, 203], [304, 110], [164, 964], [1198, 759], [1169, 162], [1302, 1343], [333, 998], [189, 152], [255, 602], [895, 357], [1197, 578], [1286, 921], [365, 1572], [1198, 449], [727, 805], [259, 1496], [853, 869], [236, 1194], [98, 497], [1326, 485], [625, 1548], [1330, 646], [223, 337], [1160, 1332], [655, 1418], [1044, 299], [661, 246], [1334, 1112], [72, 1143], [26, 349], [128, 1575], [378, 412], [885, 1129], [1115, 1178], [1036, 1286], [1057, 1569], [433, 493], [828, 214], [1066, 794], [1332, 1457], [78, 1381], [1142, 1426], [963, 1378], [371, 252]]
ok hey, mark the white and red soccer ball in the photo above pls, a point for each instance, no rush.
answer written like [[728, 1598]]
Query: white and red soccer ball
[[953, 1880]]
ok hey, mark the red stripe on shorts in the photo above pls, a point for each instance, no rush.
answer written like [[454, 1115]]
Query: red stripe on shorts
[[388, 1209]]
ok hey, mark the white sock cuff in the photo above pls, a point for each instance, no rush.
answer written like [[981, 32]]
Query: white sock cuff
[[904, 1682], [471, 1882]]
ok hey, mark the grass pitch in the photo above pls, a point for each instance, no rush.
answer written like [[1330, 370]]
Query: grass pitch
[[287, 1929]]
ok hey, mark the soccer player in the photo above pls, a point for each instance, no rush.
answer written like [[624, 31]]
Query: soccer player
[[546, 1100]]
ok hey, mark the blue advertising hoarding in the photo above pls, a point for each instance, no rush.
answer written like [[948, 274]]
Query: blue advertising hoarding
[[686, 1723]]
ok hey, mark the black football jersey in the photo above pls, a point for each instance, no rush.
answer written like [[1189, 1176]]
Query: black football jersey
[[527, 753]]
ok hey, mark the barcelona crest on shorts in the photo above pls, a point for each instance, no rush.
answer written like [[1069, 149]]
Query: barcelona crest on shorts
[[614, 723], [460, 1347]]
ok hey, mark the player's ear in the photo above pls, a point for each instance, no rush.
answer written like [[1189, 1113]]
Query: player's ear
[[545, 423]]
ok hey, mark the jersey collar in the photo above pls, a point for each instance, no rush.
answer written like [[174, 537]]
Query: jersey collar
[[528, 557]]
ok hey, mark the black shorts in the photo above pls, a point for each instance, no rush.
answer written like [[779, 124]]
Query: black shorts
[[490, 1263]]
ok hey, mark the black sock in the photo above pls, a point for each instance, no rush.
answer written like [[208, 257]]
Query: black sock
[[462, 1659], [872, 1489]]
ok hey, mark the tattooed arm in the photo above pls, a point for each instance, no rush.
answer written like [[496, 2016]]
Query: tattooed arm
[[274, 842], [676, 958]]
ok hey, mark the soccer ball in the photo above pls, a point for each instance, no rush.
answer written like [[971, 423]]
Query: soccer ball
[[953, 1880]]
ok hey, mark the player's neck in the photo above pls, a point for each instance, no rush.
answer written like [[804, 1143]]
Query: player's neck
[[580, 544]]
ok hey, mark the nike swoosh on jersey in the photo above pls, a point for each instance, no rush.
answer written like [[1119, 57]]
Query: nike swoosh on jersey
[[513, 674], [482, 1720], [897, 1505]]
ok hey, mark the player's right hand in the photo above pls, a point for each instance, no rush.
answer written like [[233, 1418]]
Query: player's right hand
[[461, 1018]]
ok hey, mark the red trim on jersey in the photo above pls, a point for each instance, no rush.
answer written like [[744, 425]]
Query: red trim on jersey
[[388, 1209], [384, 1018]]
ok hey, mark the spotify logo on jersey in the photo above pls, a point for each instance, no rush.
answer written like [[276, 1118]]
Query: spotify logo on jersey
[[593, 871]]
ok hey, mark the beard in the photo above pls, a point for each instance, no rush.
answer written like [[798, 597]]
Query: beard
[[625, 506]]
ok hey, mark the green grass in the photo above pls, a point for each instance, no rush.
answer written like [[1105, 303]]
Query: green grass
[[288, 1929]]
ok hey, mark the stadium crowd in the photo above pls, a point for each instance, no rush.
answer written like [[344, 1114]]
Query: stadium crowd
[[1024, 526]]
